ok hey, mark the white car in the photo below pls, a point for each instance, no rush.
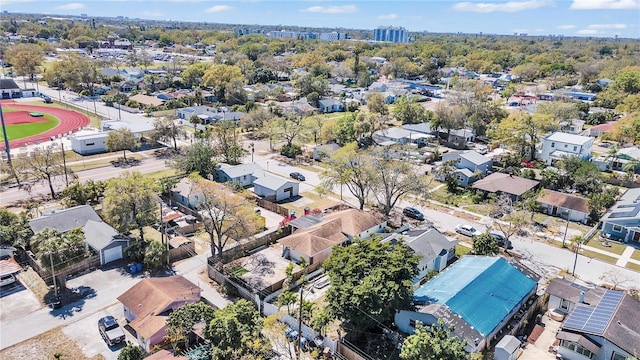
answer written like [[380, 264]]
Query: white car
[[467, 230]]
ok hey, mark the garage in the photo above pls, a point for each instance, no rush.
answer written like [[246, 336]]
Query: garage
[[113, 254]]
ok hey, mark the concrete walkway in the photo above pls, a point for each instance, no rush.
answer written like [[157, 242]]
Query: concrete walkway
[[626, 257]]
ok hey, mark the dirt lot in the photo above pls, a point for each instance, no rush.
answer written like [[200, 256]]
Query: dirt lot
[[47, 346]]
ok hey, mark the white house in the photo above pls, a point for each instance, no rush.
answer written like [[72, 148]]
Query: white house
[[560, 145], [567, 206], [242, 174]]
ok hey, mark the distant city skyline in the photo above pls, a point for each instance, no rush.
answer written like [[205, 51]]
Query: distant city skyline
[[598, 18]]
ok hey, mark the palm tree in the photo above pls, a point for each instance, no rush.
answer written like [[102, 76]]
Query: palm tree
[[612, 156], [631, 167]]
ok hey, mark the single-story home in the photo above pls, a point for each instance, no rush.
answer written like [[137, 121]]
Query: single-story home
[[241, 174], [600, 129], [314, 236], [471, 165], [601, 324], [456, 294], [9, 89], [501, 183], [275, 188], [146, 100], [330, 105], [89, 144], [183, 193], [567, 206], [99, 236], [436, 250], [148, 304], [622, 221]]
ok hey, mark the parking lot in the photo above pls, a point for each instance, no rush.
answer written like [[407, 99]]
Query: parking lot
[[16, 301], [85, 334]]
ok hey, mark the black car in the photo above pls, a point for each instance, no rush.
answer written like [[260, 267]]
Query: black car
[[502, 241], [297, 176], [413, 213], [110, 331]]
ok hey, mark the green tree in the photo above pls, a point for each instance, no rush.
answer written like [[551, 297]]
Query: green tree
[[219, 75], [199, 157], [63, 249], [166, 129], [80, 194], [121, 139], [522, 132], [436, 342], [155, 254], [236, 331], [370, 281], [14, 229], [181, 322], [408, 111], [394, 180], [485, 244], [45, 166], [25, 58], [225, 142], [226, 216], [131, 352], [352, 168], [345, 131], [130, 202], [509, 220]]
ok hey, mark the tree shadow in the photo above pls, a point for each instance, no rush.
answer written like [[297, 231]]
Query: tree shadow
[[68, 301]]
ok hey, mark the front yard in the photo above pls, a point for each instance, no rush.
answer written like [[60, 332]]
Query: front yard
[[53, 344]]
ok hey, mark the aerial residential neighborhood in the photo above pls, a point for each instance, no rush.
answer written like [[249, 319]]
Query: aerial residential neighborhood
[[193, 189]]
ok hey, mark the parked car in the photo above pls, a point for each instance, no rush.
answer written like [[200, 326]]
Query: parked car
[[297, 176], [323, 282], [467, 230], [7, 279], [110, 331], [502, 241], [413, 213], [47, 99]]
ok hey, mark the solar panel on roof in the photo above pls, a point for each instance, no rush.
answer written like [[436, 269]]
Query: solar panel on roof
[[595, 320]]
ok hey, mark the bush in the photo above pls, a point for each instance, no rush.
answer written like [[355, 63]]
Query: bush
[[291, 151]]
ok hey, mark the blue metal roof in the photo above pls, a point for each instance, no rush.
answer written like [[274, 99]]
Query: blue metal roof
[[482, 290]]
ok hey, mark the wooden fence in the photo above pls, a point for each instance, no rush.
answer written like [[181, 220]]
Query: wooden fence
[[349, 352], [183, 251], [89, 263], [278, 209], [244, 247]]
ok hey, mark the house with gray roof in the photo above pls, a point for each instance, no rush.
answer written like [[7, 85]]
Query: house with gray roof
[[10, 89], [208, 115], [99, 236], [275, 188], [601, 324], [436, 250], [241, 174], [330, 105], [622, 221], [560, 145], [471, 165]]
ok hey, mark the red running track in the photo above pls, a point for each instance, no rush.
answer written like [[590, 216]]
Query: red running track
[[70, 122]]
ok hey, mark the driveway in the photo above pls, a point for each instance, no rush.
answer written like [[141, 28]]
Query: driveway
[[16, 301], [85, 334]]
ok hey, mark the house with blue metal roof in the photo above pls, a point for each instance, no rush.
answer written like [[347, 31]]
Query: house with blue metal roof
[[480, 296], [622, 221]]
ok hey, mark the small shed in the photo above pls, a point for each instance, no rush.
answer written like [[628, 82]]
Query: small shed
[[89, 144], [507, 348], [275, 188]]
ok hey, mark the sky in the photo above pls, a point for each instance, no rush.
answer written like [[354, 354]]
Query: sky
[[598, 18]]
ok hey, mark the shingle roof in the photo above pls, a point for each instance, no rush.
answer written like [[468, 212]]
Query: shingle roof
[[565, 289], [66, 219], [505, 183], [8, 84], [624, 328], [149, 298], [271, 181], [334, 229], [234, 171], [98, 234], [429, 243], [563, 200], [569, 138], [147, 100], [474, 157]]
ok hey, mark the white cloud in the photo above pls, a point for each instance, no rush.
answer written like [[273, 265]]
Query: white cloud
[[71, 6], [218, 8], [388, 16], [511, 6], [153, 14], [587, 32], [342, 9], [565, 27], [607, 26], [605, 5]]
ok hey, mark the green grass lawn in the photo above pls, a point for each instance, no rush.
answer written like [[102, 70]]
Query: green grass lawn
[[615, 247], [462, 250], [632, 266], [636, 255], [596, 255], [444, 196], [19, 131]]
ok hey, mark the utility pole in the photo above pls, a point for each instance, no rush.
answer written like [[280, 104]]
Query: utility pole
[[575, 260], [300, 322], [6, 139], [53, 276], [64, 162], [566, 228]]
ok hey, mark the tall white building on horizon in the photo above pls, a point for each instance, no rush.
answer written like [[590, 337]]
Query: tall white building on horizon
[[391, 34]]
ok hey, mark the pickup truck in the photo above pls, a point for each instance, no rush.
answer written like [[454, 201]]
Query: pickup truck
[[110, 331]]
